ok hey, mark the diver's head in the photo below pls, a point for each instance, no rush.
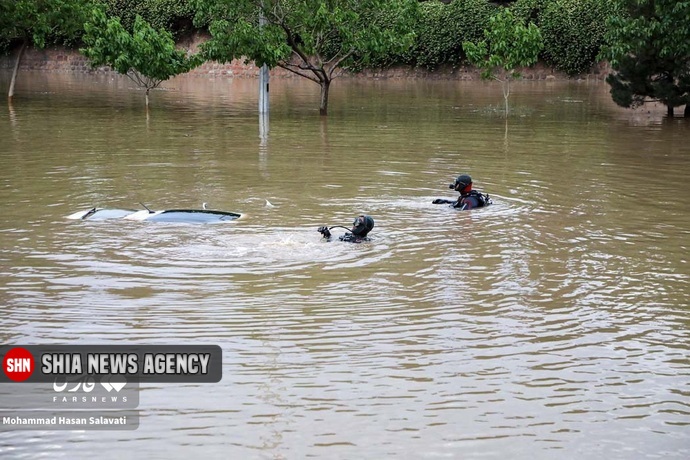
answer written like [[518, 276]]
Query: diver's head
[[362, 226], [463, 184]]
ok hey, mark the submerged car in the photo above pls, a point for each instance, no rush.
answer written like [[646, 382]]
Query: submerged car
[[192, 216], [101, 214]]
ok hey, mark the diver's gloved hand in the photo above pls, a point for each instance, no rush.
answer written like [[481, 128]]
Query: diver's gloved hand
[[442, 201], [324, 231], [350, 238]]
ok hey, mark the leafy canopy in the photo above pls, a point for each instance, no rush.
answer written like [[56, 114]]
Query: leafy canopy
[[649, 51], [311, 38], [508, 44], [146, 55], [42, 21], [305, 35]]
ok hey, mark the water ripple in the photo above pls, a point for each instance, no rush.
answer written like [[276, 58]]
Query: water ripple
[[554, 322]]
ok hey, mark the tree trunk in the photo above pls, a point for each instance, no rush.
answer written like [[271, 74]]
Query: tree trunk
[[686, 113], [323, 108], [669, 111], [10, 94], [506, 93]]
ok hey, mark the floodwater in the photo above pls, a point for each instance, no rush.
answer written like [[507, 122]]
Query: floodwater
[[553, 324]]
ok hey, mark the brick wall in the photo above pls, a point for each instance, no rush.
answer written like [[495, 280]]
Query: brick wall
[[59, 59]]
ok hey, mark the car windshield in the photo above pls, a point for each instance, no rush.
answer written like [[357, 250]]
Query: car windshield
[[193, 216]]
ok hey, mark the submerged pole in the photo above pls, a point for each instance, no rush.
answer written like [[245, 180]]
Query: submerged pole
[[263, 129]]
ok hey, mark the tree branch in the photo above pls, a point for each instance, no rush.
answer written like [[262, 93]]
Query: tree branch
[[337, 63], [297, 72], [296, 49]]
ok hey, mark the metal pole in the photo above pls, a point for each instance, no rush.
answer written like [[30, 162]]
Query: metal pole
[[263, 74], [263, 129], [263, 89]]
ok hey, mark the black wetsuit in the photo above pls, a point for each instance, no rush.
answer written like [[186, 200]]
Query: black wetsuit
[[360, 228], [470, 200], [350, 238]]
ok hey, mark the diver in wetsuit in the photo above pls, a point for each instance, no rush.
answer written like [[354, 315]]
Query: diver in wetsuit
[[468, 199], [360, 229]]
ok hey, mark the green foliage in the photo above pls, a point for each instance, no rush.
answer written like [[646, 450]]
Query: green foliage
[[381, 18], [5, 24], [573, 30], [42, 22], [530, 10], [440, 30], [311, 38], [348, 32], [175, 16], [148, 56], [507, 45], [236, 33], [649, 50]]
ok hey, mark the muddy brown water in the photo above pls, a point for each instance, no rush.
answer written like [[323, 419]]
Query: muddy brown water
[[553, 324]]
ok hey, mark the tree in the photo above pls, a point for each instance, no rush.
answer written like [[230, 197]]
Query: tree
[[314, 39], [507, 45], [147, 56], [649, 51], [34, 22]]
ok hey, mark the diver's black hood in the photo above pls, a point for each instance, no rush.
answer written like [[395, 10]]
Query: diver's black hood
[[362, 226]]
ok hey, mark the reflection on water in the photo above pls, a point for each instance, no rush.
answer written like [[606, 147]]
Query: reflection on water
[[554, 323]]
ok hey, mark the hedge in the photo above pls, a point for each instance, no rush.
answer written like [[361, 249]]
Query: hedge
[[573, 30], [441, 29], [175, 16]]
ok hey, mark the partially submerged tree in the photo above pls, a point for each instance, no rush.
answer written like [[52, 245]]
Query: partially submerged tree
[[508, 44], [314, 39], [147, 56], [649, 51], [37, 23]]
